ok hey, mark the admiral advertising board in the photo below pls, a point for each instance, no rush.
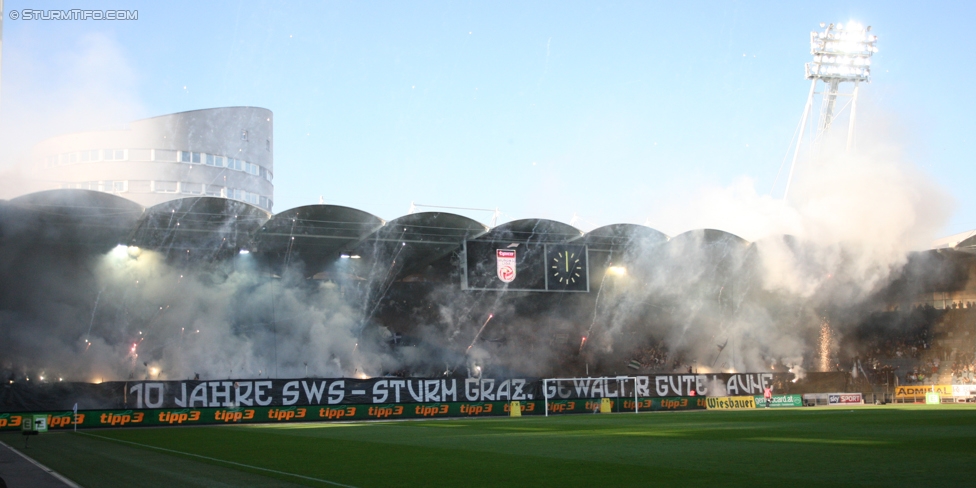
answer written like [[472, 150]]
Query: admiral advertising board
[[919, 391]]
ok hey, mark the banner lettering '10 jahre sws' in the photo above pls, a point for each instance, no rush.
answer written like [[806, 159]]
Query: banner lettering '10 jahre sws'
[[374, 391]]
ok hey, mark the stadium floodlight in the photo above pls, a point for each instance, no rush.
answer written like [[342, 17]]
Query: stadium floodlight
[[841, 53], [617, 270]]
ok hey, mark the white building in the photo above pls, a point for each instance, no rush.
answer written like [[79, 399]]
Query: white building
[[219, 152]]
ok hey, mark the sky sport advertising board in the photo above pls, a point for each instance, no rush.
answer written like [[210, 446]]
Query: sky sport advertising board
[[845, 399]]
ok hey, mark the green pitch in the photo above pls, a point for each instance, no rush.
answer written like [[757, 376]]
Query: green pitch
[[868, 446]]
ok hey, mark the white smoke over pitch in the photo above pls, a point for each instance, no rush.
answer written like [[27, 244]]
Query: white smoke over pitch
[[853, 219]]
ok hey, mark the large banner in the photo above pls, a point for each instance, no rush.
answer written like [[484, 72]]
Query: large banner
[[374, 391]]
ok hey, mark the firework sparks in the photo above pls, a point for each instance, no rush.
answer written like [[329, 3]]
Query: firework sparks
[[826, 343], [476, 336]]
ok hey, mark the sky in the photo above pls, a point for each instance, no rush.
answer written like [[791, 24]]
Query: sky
[[585, 112]]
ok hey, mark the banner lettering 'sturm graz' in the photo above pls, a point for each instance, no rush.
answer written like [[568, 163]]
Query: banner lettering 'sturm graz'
[[375, 391]]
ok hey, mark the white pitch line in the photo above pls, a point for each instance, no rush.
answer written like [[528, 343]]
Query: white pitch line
[[46, 469], [220, 460]]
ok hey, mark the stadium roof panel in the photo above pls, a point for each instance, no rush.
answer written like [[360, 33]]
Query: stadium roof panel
[[533, 230], [967, 245], [708, 237], [412, 242], [72, 217], [210, 225], [620, 237], [314, 232]]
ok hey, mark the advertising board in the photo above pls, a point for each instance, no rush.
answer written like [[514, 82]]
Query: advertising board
[[844, 399], [921, 390], [780, 401], [963, 391], [277, 414], [730, 403]]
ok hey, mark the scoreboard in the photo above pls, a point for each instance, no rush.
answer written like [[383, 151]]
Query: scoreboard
[[525, 266]]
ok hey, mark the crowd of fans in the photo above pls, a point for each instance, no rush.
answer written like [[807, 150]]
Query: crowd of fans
[[964, 374], [651, 356], [926, 372]]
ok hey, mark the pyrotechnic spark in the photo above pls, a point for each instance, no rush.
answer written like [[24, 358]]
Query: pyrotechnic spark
[[92, 321], [479, 333], [826, 340]]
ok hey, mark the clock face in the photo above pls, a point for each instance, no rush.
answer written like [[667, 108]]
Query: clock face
[[566, 268]]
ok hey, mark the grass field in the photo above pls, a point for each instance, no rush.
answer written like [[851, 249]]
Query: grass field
[[874, 446]]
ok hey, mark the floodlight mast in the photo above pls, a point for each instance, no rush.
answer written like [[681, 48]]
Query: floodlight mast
[[840, 54]]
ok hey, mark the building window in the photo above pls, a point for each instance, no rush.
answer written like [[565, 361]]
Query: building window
[[164, 186], [164, 155], [184, 156], [195, 157], [267, 144], [192, 188], [118, 186], [113, 154], [139, 155], [139, 186], [214, 191], [215, 160]]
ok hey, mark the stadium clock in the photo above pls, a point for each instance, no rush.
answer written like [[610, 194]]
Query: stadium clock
[[566, 268]]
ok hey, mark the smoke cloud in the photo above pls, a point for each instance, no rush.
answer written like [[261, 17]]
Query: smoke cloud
[[704, 300]]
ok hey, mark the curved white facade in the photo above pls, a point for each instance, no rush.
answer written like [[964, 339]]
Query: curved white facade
[[220, 152]]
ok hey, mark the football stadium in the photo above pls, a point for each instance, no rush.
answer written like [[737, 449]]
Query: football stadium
[[165, 325]]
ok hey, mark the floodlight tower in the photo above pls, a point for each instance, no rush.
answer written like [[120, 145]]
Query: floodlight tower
[[841, 53]]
